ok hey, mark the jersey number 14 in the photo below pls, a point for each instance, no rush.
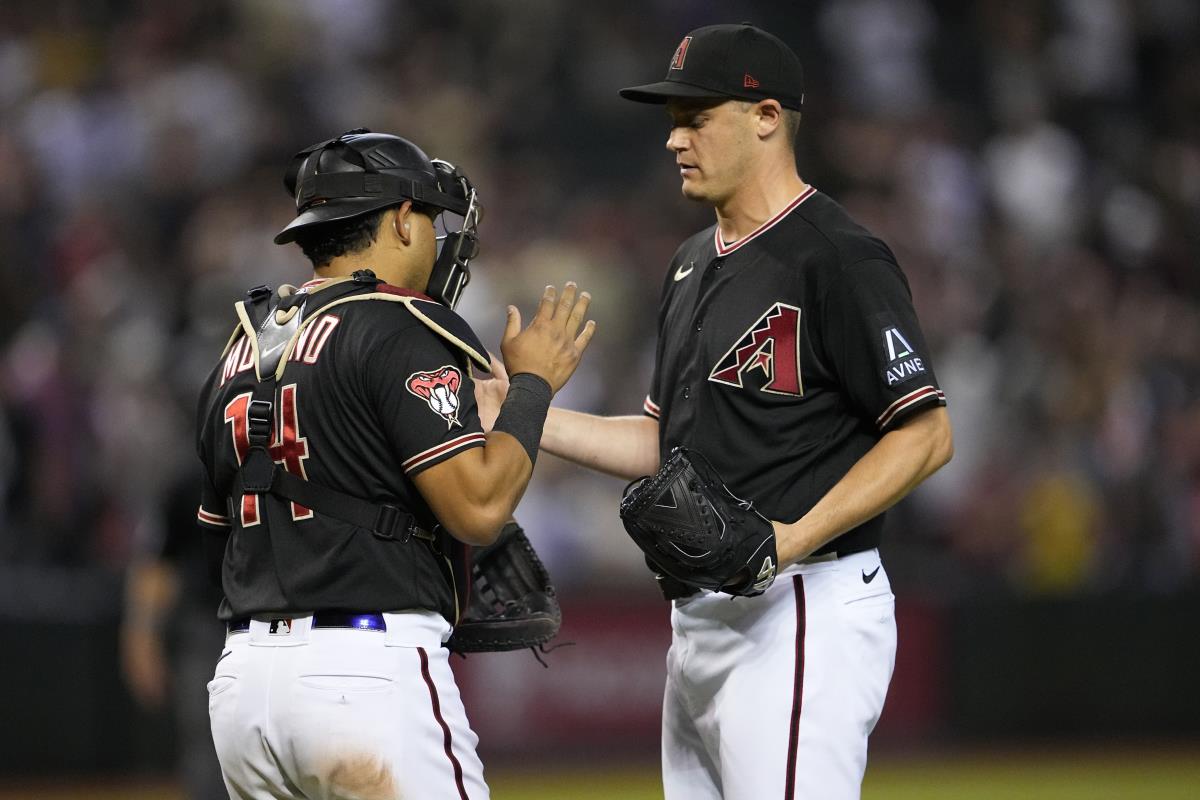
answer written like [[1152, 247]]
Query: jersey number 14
[[288, 448]]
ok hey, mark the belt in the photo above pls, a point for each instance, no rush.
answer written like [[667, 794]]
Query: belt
[[326, 619]]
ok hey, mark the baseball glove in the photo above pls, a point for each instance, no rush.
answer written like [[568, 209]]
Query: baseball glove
[[693, 529], [513, 605]]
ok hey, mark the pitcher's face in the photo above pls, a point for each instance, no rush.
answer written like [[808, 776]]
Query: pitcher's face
[[712, 141]]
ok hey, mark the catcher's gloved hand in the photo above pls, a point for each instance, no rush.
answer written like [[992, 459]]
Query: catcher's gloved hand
[[695, 530], [513, 604]]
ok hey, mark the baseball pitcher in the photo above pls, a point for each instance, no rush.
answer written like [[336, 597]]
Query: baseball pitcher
[[793, 401]]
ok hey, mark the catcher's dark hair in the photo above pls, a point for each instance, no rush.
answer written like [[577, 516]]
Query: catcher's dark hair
[[328, 240], [324, 242]]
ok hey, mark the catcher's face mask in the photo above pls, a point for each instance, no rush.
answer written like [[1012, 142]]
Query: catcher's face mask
[[457, 235]]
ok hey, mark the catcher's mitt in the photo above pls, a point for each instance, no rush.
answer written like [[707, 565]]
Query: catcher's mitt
[[513, 605], [695, 530]]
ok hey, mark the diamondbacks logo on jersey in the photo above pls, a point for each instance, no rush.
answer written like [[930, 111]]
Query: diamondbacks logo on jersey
[[439, 389], [772, 345], [902, 361], [680, 53]]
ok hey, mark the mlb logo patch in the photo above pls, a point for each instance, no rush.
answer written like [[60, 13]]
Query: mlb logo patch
[[280, 627]]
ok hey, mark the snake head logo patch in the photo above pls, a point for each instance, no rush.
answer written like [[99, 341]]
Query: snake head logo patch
[[439, 388]]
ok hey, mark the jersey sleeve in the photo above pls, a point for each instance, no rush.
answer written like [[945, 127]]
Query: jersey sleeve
[[650, 404], [875, 344], [213, 511], [425, 397]]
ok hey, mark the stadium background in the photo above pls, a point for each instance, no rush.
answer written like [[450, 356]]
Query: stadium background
[[1035, 166]]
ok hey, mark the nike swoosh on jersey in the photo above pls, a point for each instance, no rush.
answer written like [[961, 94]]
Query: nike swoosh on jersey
[[868, 577], [681, 273]]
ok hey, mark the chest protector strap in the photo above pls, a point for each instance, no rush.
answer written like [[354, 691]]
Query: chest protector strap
[[272, 331]]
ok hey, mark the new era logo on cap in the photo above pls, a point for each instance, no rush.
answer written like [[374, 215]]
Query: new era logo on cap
[[680, 53], [749, 81]]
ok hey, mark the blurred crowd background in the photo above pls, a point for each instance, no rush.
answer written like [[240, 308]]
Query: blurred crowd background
[[1034, 165]]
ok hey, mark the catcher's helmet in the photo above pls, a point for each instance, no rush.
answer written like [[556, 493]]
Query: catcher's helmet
[[359, 172]]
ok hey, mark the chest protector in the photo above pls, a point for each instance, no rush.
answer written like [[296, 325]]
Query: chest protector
[[272, 325]]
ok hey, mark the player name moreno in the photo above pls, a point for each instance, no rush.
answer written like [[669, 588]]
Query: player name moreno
[[307, 350]]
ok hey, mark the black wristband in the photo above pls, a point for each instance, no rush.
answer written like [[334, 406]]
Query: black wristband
[[523, 413]]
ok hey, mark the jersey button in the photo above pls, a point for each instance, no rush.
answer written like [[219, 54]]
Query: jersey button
[[699, 326], [687, 392], [718, 264]]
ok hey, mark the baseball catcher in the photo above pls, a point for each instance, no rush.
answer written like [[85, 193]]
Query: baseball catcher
[[347, 481], [695, 531]]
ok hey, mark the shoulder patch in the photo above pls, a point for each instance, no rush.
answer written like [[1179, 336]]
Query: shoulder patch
[[902, 362], [439, 388]]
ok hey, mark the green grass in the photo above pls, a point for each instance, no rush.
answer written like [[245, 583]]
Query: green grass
[[577, 785], [1116, 775]]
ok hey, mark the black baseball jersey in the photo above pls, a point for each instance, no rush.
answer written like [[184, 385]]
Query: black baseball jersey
[[371, 395], [785, 356]]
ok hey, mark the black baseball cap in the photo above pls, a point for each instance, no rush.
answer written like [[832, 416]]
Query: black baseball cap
[[722, 61]]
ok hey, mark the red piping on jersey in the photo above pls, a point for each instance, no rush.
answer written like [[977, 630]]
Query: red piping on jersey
[[913, 397], [650, 407], [387, 288], [213, 519], [437, 713], [725, 249], [789, 792], [444, 447]]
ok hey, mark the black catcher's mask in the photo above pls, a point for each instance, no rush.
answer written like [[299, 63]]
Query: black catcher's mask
[[360, 172]]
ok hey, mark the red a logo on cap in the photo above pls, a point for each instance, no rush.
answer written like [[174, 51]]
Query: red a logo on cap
[[749, 81], [680, 53]]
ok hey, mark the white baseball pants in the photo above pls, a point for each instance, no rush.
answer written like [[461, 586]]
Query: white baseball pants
[[774, 696], [335, 714]]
